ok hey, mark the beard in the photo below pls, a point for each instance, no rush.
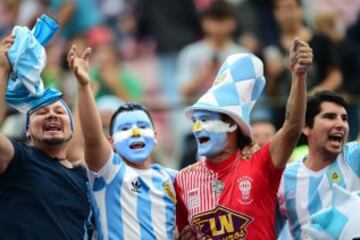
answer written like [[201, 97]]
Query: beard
[[52, 141]]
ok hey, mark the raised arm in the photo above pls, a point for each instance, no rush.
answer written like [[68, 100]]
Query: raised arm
[[6, 148], [97, 148], [287, 137]]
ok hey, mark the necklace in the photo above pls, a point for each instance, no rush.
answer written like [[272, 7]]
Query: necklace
[[218, 185]]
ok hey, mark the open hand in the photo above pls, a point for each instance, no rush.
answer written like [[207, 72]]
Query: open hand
[[80, 65], [301, 57], [5, 45]]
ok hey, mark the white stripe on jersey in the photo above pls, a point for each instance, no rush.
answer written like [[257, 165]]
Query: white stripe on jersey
[[128, 205], [158, 210], [100, 199]]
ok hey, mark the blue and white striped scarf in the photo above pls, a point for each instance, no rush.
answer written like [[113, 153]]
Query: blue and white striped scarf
[[28, 58]]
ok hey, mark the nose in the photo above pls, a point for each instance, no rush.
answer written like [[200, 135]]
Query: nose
[[197, 127], [340, 122], [135, 132]]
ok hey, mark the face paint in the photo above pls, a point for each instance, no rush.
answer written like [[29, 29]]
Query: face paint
[[134, 136], [210, 132]]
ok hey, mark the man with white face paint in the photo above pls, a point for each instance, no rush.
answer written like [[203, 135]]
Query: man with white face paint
[[225, 196], [134, 199]]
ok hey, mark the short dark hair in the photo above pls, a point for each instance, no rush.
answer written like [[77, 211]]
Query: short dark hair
[[128, 107], [314, 102], [218, 10]]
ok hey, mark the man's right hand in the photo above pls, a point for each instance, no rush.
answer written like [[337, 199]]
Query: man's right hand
[[5, 45], [80, 65]]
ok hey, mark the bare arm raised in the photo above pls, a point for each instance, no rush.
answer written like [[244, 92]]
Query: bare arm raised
[[287, 137], [6, 148], [97, 148]]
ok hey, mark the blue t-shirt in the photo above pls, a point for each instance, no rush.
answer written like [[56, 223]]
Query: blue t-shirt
[[42, 199]]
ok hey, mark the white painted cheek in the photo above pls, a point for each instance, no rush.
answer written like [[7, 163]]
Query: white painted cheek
[[121, 136], [147, 132], [218, 126]]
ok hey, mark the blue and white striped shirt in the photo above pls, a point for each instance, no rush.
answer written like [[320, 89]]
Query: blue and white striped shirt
[[303, 192], [133, 203]]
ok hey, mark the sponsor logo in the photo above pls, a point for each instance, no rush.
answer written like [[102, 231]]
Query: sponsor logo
[[245, 185], [222, 224], [135, 186]]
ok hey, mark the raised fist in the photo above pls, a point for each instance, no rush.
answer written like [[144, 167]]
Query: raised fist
[[301, 57]]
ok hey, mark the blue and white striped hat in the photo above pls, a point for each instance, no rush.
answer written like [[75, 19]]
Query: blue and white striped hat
[[235, 91]]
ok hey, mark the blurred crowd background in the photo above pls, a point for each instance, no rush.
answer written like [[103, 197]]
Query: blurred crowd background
[[166, 53]]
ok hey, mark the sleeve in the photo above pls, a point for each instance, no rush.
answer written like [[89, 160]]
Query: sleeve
[[18, 159], [263, 162], [181, 211], [107, 173], [352, 156]]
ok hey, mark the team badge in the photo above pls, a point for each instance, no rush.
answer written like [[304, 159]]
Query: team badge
[[245, 185], [169, 191], [335, 177]]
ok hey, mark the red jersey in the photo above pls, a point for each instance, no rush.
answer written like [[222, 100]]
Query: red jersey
[[234, 199]]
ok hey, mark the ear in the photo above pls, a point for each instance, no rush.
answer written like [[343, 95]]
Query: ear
[[27, 134], [155, 137], [306, 131]]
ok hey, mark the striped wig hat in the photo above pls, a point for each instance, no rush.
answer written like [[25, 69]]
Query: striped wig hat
[[235, 91]]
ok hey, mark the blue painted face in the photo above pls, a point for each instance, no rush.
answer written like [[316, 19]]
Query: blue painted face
[[133, 136], [210, 141]]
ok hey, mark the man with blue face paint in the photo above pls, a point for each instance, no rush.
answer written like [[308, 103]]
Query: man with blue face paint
[[134, 199], [225, 196]]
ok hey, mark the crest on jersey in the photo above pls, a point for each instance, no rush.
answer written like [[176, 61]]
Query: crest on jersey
[[245, 185], [335, 177], [169, 191], [222, 223]]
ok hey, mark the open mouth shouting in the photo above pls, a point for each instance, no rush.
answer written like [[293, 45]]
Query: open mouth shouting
[[53, 126], [203, 140], [336, 138], [137, 145]]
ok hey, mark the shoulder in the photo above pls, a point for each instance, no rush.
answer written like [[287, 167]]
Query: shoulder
[[190, 169], [351, 146], [159, 168], [292, 168]]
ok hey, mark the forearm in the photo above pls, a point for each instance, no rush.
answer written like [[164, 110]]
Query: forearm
[[89, 117], [295, 107], [3, 85], [6, 148], [286, 139]]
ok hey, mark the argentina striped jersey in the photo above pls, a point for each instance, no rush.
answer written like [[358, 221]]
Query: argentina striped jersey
[[303, 192], [132, 203]]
